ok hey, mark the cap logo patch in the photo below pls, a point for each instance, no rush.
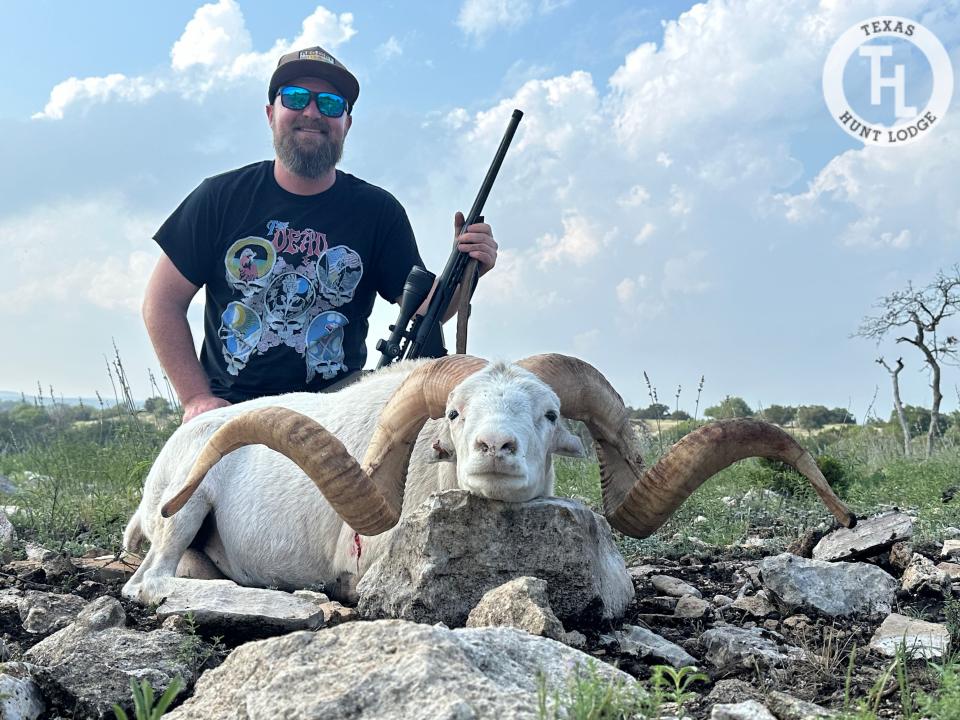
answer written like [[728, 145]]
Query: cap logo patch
[[316, 54]]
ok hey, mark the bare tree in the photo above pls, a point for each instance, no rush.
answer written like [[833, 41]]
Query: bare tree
[[919, 313], [896, 401]]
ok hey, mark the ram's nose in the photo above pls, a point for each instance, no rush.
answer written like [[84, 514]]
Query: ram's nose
[[496, 444]]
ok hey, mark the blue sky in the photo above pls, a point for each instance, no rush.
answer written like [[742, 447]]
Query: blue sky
[[678, 199]]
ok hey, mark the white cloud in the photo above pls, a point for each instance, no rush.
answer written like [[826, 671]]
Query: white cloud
[[878, 197], [216, 35], [581, 241], [684, 274], [646, 232], [480, 18], [215, 46], [389, 50], [626, 289], [634, 197], [680, 201], [97, 90], [456, 118], [82, 251]]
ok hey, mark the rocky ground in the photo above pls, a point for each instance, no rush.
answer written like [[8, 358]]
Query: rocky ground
[[777, 629]]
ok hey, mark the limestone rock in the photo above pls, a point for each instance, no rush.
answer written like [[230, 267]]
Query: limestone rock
[[832, 589], [521, 603], [951, 550], [920, 638], [757, 605], [668, 585], [922, 576], [787, 707], [86, 667], [732, 691], [869, 537], [447, 553], [58, 568], [37, 553], [731, 647], [8, 534], [224, 605], [388, 670], [689, 606], [900, 555], [334, 613], [20, 698], [108, 568], [951, 569], [746, 710], [44, 613], [643, 643]]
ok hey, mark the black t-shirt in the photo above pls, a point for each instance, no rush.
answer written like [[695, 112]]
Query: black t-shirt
[[290, 279]]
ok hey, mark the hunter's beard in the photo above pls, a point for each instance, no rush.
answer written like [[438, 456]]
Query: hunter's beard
[[308, 160]]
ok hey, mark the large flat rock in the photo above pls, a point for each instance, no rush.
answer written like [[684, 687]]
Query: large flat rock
[[832, 589], [870, 536], [225, 605]]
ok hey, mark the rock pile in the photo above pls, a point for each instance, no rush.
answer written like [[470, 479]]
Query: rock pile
[[556, 611]]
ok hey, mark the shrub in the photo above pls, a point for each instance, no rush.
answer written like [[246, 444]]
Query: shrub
[[781, 478]]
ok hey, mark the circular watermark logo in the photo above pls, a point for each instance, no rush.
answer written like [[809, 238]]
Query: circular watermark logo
[[888, 80]]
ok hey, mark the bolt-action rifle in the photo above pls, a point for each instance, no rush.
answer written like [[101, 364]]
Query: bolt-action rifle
[[415, 336]]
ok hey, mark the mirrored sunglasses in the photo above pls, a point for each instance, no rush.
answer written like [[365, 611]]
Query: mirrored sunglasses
[[293, 97]]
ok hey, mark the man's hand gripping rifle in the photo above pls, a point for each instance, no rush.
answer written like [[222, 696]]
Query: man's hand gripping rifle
[[424, 337]]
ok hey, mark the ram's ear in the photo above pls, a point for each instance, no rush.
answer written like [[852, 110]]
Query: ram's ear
[[442, 449], [566, 443]]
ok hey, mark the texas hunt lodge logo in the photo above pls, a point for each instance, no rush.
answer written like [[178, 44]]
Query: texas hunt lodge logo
[[887, 74]]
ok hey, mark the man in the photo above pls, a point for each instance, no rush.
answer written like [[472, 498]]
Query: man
[[292, 253]]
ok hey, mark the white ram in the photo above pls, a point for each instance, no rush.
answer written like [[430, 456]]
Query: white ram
[[261, 522]]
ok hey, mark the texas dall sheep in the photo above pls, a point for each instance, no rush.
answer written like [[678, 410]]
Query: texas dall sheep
[[259, 521]]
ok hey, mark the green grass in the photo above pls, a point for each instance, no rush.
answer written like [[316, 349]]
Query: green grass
[[585, 694], [77, 486]]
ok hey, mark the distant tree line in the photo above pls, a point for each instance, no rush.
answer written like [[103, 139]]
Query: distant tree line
[[28, 422], [805, 416]]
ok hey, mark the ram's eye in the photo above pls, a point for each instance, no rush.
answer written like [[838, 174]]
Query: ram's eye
[[551, 415], [452, 415]]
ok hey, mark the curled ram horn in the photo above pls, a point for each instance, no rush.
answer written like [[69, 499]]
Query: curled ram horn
[[369, 496], [637, 501]]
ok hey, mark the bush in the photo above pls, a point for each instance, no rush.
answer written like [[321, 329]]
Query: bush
[[730, 407], [783, 479]]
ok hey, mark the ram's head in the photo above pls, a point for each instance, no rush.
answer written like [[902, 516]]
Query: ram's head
[[502, 426]]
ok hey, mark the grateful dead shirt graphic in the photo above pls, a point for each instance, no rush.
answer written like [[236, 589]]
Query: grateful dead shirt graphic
[[240, 329], [249, 262], [288, 299], [325, 345], [339, 271], [286, 287]]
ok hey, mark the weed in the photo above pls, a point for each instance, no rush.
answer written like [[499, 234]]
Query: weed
[[952, 612], [827, 654], [587, 695], [144, 706], [197, 653], [674, 685], [945, 703]]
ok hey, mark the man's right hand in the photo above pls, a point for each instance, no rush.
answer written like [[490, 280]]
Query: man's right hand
[[199, 405]]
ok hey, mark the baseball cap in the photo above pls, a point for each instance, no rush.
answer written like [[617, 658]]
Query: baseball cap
[[314, 62]]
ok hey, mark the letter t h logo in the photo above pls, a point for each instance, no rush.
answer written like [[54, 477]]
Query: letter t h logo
[[878, 81]]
